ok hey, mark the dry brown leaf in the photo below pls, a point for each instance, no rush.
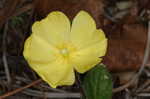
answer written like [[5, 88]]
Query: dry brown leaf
[[70, 8], [126, 49]]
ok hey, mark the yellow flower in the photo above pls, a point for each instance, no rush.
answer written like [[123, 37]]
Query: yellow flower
[[56, 49]]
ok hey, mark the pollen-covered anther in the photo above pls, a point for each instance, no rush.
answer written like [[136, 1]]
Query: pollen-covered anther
[[64, 52]]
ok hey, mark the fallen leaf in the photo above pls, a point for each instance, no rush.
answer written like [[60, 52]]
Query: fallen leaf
[[71, 8]]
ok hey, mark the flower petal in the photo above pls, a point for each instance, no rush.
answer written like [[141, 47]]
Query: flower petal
[[86, 58], [69, 79], [56, 73], [82, 28], [27, 45], [39, 51], [54, 29]]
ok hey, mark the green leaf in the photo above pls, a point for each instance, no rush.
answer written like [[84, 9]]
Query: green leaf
[[97, 83]]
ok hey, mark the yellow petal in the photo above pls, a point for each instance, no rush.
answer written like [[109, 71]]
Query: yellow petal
[[54, 29], [27, 45], [82, 28], [69, 79], [56, 73], [39, 51], [86, 58]]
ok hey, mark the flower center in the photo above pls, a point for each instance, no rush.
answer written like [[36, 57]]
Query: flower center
[[64, 52]]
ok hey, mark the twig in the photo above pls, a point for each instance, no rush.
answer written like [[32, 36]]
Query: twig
[[143, 86], [148, 64], [127, 94], [144, 95], [20, 89], [42, 85], [146, 90], [147, 51], [4, 54], [145, 60], [52, 95], [39, 93]]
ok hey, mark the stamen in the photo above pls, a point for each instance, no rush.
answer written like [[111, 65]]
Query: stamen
[[64, 52]]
